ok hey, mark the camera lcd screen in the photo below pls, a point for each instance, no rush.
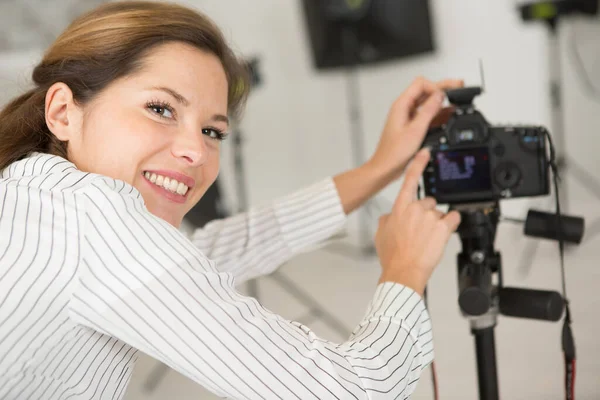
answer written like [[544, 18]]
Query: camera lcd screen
[[464, 170]]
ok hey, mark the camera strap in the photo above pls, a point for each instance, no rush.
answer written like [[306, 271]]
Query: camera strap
[[568, 342]]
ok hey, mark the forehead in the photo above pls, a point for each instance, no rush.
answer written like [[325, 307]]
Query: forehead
[[197, 74]]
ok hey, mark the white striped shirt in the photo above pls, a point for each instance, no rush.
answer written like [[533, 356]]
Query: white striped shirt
[[88, 277]]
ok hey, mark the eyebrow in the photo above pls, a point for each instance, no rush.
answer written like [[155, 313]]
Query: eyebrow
[[182, 100]]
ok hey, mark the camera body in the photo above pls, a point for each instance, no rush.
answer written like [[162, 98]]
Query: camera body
[[473, 161]]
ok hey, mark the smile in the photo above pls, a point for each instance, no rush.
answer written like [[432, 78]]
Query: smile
[[170, 184]]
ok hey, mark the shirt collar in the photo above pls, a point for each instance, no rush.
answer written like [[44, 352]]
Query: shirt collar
[[37, 164]]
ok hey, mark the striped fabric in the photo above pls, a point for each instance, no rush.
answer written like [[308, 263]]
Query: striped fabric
[[88, 277]]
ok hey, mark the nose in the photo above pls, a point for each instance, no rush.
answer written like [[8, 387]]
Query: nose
[[190, 147]]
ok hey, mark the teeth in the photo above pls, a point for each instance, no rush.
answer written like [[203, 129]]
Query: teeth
[[169, 184], [173, 185], [181, 189]]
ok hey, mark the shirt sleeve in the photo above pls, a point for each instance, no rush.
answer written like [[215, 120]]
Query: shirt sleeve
[[142, 282], [259, 241]]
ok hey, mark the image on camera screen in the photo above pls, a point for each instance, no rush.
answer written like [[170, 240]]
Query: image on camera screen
[[464, 170]]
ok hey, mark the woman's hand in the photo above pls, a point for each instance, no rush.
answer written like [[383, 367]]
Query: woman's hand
[[411, 115], [411, 239], [418, 108]]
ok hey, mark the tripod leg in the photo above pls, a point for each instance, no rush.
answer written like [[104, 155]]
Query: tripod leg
[[486, 363], [155, 377]]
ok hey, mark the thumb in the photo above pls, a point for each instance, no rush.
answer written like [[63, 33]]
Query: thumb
[[383, 219]]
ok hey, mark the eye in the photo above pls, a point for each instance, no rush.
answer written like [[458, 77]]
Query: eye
[[162, 109], [214, 133]]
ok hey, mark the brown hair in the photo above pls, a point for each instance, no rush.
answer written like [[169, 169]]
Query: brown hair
[[100, 46]]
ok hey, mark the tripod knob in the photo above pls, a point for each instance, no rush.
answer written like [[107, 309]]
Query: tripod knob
[[474, 301], [475, 286]]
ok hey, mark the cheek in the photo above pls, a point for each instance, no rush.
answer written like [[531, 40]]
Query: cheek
[[214, 163], [116, 144], [210, 169]]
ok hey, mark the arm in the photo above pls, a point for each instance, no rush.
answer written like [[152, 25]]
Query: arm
[[143, 283], [259, 241]]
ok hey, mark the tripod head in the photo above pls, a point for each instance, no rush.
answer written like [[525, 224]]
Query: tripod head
[[479, 263]]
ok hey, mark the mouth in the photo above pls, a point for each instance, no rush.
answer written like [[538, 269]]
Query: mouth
[[169, 187]]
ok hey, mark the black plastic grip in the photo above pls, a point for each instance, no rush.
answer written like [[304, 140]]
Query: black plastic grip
[[534, 304], [546, 225]]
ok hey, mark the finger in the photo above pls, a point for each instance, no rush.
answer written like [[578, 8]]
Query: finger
[[383, 219], [437, 213], [442, 117], [452, 220], [414, 96], [428, 203], [428, 111], [408, 192], [447, 84]]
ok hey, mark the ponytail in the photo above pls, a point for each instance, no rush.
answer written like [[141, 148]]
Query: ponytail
[[23, 129]]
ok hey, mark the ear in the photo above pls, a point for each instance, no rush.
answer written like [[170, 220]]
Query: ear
[[63, 115]]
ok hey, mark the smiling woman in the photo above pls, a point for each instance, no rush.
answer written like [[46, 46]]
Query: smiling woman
[[111, 105], [100, 162], [166, 120]]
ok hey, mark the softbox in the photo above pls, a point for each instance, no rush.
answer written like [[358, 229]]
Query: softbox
[[354, 32]]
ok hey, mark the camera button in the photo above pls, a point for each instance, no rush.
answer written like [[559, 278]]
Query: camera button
[[507, 175], [499, 150]]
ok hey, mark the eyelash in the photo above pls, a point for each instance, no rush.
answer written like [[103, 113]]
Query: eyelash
[[157, 104], [154, 104], [219, 134]]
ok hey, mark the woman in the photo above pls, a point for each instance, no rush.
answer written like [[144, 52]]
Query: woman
[[100, 162]]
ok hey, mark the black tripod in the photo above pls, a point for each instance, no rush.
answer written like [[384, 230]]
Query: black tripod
[[482, 296]]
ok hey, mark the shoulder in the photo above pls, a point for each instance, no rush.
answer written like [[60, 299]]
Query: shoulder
[[50, 173], [106, 194], [45, 172]]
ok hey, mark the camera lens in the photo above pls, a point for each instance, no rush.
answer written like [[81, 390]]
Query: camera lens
[[507, 175]]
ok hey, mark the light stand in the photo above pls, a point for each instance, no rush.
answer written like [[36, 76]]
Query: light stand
[[550, 13], [350, 48]]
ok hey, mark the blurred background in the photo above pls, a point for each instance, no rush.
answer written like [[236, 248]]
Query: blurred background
[[298, 128]]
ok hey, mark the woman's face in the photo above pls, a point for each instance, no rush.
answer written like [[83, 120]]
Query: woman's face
[[160, 129]]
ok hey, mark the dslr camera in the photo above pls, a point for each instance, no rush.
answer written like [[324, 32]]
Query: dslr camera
[[473, 161]]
